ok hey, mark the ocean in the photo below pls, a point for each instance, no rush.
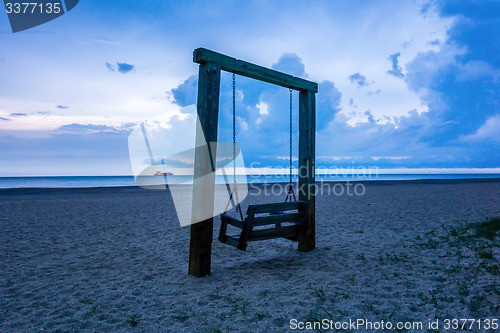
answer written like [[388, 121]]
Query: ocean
[[120, 181]]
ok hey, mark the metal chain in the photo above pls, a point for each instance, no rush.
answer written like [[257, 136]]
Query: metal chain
[[291, 194], [235, 188], [291, 138], [234, 130]]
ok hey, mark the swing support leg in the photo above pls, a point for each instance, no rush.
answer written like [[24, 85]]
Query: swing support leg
[[307, 129], [200, 248]]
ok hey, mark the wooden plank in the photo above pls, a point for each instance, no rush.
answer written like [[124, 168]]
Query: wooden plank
[[234, 241], [271, 233], [234, 222], [223, 229], [272, 219], [240, 67], [200, 247], [267, 208], [307, 132], [245, 231]]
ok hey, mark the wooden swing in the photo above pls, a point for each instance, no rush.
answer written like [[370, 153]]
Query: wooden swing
[[291, 219], [264, 221]]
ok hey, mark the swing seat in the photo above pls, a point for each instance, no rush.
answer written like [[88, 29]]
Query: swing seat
[[256, 225]]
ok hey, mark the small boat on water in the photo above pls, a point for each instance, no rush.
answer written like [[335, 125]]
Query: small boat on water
[[163, 173]]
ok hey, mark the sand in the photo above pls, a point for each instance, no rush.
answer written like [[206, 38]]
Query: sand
[[115, 260]]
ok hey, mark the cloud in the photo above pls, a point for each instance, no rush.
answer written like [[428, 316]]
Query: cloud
[[371, 120], [290, 63], [185, 93], [457, 81], [424, 71], [476, 69], [447, 68], [65, 154], [358, 79], [121, 67], [396, 69], [435, 42], [63, 107], [327, 103], [125, 68], [5, 119], [45, 113], [487, 132], [110, 67], [365, 143], [16, 114], [262, 110], [92, 128]]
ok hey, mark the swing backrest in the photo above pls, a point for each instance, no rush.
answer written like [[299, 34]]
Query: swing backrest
[[274, 213]]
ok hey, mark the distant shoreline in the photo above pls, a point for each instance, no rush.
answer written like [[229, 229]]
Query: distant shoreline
[[373, 182]]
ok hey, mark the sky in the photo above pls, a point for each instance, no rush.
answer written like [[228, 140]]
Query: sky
[[402, 84]]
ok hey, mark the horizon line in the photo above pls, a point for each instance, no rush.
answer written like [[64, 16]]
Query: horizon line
[[321, 171]]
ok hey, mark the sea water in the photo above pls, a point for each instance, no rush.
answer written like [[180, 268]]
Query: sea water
[[120, 181]]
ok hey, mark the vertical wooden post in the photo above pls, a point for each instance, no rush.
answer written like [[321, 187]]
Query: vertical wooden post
[[307, 133], [200, 248]]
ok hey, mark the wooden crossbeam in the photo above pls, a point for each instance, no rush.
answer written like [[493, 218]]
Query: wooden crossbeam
[[240, 67]]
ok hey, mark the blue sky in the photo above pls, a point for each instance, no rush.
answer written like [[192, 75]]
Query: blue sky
[[406, 84]]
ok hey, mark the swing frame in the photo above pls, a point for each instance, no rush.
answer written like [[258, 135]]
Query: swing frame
[[210, 66]]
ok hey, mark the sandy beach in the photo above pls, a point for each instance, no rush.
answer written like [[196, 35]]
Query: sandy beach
[[115, 260]]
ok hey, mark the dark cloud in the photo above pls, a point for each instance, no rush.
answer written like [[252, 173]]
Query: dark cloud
[[327, 103], [18, 114], [125, 68], [462, 94], [460, 90], [5, 119], [185, 94], [358, 79], [371, 120], [396, 70], [121, 67], [63, 107]]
